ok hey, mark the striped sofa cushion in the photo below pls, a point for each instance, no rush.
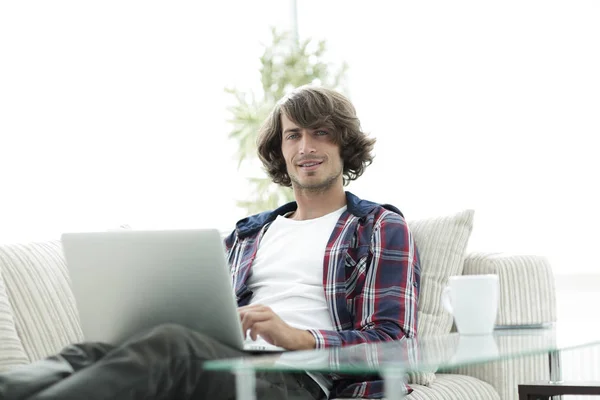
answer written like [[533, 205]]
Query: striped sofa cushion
[[453, 387], [450, 387], [38, 287], [12, 352], [442, 244]]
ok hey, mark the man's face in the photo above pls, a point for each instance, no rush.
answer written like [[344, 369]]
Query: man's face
[[312, 158]]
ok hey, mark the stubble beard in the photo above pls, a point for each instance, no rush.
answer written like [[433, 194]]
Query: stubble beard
[[317, 187]]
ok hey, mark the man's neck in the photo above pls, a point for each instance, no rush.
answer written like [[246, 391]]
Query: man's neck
[[313, 205]]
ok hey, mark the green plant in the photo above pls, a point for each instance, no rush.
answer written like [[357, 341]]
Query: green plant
[[285, 65]]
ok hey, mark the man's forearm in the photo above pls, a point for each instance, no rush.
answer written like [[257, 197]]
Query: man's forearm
[[327, 338]]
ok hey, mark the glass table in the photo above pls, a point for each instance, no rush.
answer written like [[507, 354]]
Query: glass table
[[392, 360]]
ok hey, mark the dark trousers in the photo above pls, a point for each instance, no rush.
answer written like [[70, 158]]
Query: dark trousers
[[164, 363]]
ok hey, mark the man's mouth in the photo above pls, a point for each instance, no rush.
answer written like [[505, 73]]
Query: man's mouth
[[310, 165]]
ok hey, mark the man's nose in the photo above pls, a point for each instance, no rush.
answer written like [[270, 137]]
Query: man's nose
[[307, 143]]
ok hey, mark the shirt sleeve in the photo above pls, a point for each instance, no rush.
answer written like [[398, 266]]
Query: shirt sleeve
[[386, 308]]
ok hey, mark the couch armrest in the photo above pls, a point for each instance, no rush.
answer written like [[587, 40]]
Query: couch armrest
[[506, 375], [527, 291], [527, 297]]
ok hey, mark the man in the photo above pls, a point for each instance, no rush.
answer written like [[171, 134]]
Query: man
[[326, 270]]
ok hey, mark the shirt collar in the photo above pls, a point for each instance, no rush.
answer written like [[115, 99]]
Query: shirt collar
[[356, 206]]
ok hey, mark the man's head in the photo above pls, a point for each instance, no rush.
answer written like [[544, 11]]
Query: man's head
[[312, 140]]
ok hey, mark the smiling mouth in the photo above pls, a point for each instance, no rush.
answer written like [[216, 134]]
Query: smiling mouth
[[309, 166]]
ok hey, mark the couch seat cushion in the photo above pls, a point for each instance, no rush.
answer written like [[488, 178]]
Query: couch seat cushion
[[450, 386]]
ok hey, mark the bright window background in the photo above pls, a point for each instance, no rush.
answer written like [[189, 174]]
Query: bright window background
[[114, 113]]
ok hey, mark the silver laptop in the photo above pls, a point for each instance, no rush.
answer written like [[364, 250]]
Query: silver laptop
[[125, 282]]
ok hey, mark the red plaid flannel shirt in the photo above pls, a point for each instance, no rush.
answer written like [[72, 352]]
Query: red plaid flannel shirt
[[371, 277]]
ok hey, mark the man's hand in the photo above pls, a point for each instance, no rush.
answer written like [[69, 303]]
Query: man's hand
[[261, 320]]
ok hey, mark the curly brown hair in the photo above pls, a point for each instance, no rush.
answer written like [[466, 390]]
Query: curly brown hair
[[316, 107]]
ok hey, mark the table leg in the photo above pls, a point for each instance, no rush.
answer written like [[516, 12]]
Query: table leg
[[555, 370], [245, 384], [393, 381]]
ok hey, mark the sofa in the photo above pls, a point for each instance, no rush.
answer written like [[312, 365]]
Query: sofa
[[38, 314]]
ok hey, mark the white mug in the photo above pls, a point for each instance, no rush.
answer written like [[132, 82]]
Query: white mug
[[473, 301]]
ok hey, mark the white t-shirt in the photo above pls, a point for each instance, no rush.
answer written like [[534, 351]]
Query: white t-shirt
[[287, 273]]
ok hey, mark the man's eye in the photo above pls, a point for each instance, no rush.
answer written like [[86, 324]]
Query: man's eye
[[321, 133], [292, 136]]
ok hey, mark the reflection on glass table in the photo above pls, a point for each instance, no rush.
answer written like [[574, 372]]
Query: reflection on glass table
[[392, 360]]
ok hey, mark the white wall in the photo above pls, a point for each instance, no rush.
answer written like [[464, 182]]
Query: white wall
[[114, 113], [493, 106]]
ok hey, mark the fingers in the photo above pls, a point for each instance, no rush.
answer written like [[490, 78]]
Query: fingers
[[259, 320], [265, 330], [258, 329], [243, 312], [253, 307], [250, 318]]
